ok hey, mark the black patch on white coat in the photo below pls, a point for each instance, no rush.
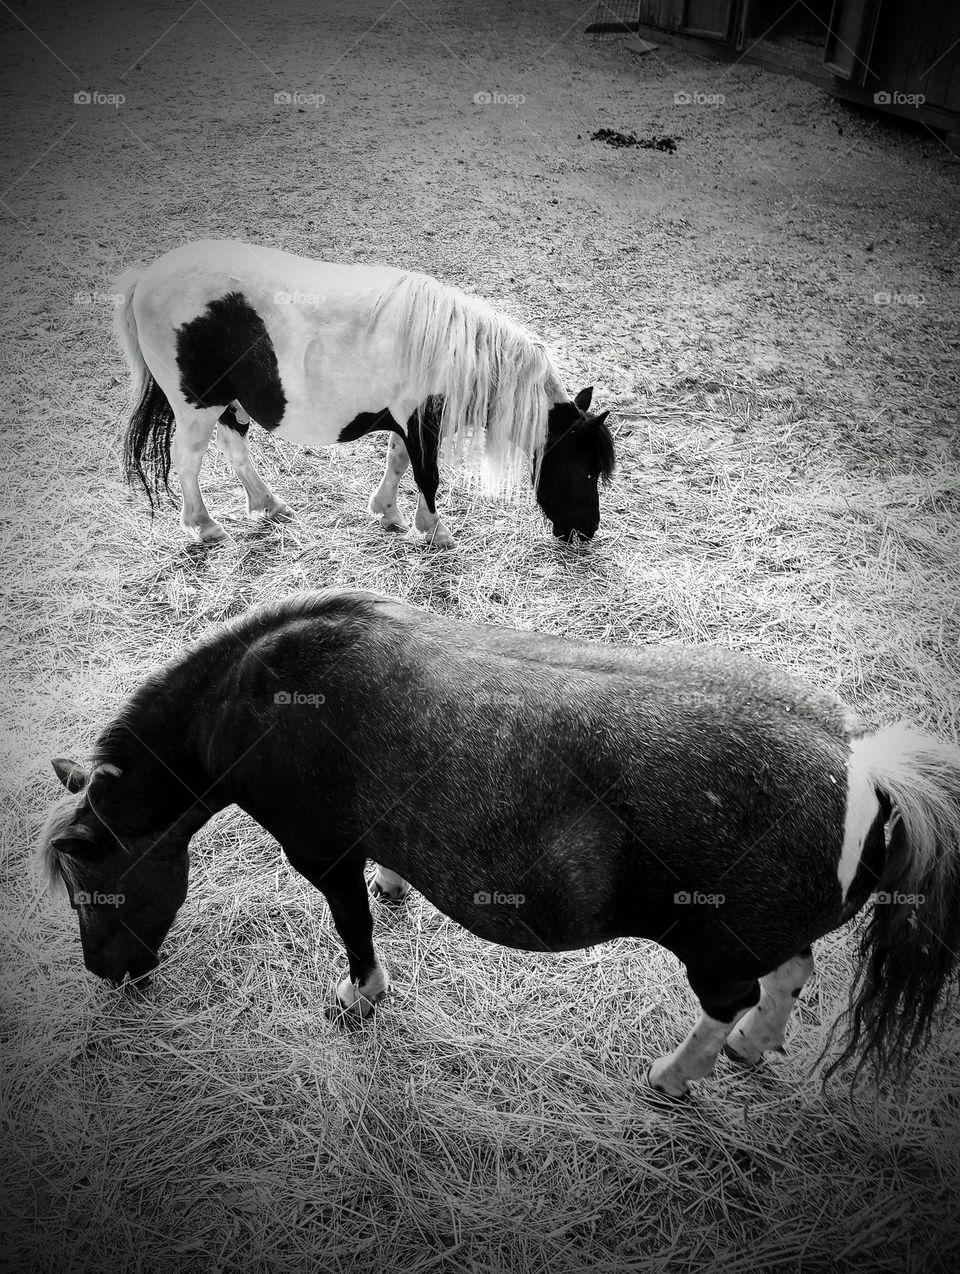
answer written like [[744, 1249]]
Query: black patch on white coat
[[367, 422], [229, 418], [226, 354], [423, 446], [421, 438]]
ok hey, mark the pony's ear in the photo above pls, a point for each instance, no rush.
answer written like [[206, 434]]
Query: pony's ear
[[71, 775], [598, 420], [584, 398]]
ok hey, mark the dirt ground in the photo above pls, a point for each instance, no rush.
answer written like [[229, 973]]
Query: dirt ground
[[770, 311]]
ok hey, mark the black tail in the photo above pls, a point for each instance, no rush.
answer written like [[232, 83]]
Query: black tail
[[146, 447], [909, 952]]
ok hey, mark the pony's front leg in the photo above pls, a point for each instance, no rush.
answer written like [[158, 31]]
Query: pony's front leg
[[345, 889], [232, 441], [723, 1005], [383, 501], [423, 444], [190, 441]]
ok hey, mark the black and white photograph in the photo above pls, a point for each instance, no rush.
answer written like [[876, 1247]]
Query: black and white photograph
[[481, 637]]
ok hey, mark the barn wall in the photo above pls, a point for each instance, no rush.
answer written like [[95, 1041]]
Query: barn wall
[[665, 14], [912, 51]]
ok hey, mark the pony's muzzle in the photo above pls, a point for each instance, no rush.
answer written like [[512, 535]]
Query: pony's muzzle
[[572, 534], [116, 972]]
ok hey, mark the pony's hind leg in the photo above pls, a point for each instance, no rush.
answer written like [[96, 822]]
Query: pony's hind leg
[[723, 1004], [191, 438], [390, 888], [764, 1027], [232, 441], [383, 501]]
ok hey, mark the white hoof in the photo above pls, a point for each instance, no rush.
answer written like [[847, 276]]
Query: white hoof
[[665, 1086], [275, 511], [440, 538], [389, 891], [387, 514], [209, 532], [360, 999]]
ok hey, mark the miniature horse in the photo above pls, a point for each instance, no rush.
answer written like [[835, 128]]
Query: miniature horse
[[220, 333], [546, 794]]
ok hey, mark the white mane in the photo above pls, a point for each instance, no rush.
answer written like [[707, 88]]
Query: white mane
[[497, 379]]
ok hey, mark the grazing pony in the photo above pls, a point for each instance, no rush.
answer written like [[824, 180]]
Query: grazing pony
[[546, 794], [220, 333]]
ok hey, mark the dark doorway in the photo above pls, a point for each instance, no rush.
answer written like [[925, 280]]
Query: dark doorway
[[794, 34]]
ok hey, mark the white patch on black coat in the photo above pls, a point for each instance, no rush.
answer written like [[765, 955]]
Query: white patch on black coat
[[862, 810]]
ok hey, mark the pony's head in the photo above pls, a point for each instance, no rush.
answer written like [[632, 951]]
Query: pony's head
[[577, 456], [126, 881]]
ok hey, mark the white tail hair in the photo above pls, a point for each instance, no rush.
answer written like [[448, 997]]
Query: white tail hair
[[497, 379], [909, 949], [920, 775], [125, 330]]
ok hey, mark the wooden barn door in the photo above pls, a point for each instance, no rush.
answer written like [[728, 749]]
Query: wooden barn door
[[706, 18], [712, 18], [853, 25]]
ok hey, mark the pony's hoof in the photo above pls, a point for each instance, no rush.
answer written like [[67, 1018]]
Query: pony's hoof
[[209, 533], [387, 899], [440, 539], [387, 515], [276, 512], [660, 1096], [351, 1016], [739, 1059]]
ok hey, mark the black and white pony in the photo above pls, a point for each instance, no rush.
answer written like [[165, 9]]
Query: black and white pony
[[546, 794], [220, 333]]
